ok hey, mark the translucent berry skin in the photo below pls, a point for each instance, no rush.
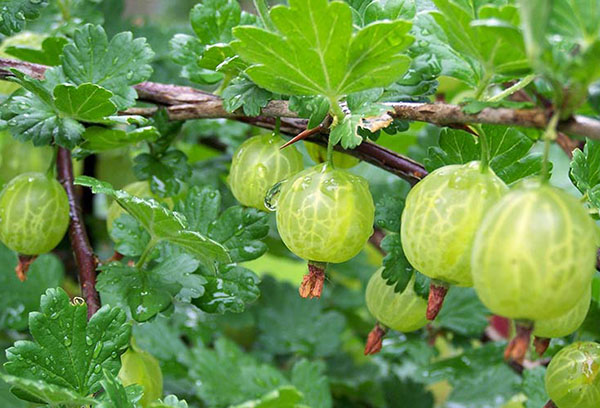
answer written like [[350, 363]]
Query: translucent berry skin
[[257, 165], [325, 214], [441, 216], [572, 379], [566, 323], [534, 254], [340, 160], [139, 189], [34, 214], [140, 367], [404, 312]]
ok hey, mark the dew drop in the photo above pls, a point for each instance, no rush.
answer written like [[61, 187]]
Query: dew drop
[[67, 341]]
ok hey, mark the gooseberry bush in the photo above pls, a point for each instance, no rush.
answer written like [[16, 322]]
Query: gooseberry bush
[[311, 203]]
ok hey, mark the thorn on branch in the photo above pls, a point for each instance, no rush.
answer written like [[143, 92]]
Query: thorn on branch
[[303, 135]]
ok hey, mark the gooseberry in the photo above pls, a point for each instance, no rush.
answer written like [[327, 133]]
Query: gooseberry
[[534, 254], [258, 164], [572, 379], [404, 311], [142, 368], [440, 218], [324, 215], [34, 213]]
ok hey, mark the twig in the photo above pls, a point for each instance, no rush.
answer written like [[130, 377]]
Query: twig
[[189, 103], [84, 254]]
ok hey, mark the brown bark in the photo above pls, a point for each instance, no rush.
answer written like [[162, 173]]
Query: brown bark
[[84, 254]]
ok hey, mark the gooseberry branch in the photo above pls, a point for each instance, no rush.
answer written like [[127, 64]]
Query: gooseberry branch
[[84, 254]]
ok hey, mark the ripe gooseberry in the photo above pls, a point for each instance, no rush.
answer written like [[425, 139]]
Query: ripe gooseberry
[[340, 160], [439, 221], [534, 254], [258, 164], [404, 311], [34, 213], [142, 368], [572, 379], [324, 215], [533, 258]]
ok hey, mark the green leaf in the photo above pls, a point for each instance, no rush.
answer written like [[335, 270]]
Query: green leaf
[[100, 139], [310, 379], [201, 207], [346, 132], [533, 387], [165, 171], [509, 152], [463, 313], [321, 56], [479, 376], [242, 93], [388, 211], [114, 65], [161, 223], [49, 54], [396, 268], [389, 10], [313, 107], [241, 230], [213, 20], [585, 166], [283, 397], [170, 401], [129, 236], [288, 324], [413, 394], [18, 298], [493, 39], [15, 13], [455, 147], [432, 42], [222, 58], [68, 352], [151, 290], [86, 102], [117, 396], [229, 290], [31, 115], [227, 376], [187, 51], [42, 392], [238, 229]]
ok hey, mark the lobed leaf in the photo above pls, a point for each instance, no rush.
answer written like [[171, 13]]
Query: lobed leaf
[[68, 353]]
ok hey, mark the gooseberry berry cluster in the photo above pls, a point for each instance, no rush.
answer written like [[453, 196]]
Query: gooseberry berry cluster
[[324, 214]]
